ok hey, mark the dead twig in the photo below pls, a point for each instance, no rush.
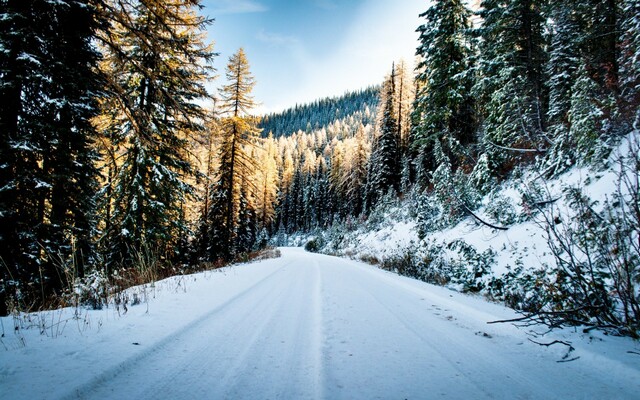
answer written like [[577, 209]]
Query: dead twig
[[565, 358]]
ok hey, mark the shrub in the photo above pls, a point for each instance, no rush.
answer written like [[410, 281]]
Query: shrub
[[313, 245]]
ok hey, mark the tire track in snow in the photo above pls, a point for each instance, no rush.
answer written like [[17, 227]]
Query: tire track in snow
[[273, 353], [106, 377], [318, 333], [441, 342]]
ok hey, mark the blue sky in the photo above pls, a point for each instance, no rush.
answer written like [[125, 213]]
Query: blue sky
[[303, 50]]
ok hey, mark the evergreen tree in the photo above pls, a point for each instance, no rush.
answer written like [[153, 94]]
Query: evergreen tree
[[630, 60], [355, 177], [584, 45], [246, 224], [267, 184], [564, 60], [157, 62], [511, 83], [384, 164], [47, 173], [208, 149], [404, 98], [238, 135], [444, 108]]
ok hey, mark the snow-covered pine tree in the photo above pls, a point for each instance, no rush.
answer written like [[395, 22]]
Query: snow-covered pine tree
[[238, 135], [586, 115], [565, 57], [586, 45], [404, 98], [383, 174], [206, 149], [47, 173], [247, 224], [443, 108], [511, 80], [630, 61], [157, 64], [354, 178], [338, 163]]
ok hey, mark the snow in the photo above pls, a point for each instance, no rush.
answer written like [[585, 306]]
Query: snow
[[386, 240], [522, 243], [305, 326]]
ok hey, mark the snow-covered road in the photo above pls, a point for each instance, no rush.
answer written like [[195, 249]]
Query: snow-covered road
[[308, 326]]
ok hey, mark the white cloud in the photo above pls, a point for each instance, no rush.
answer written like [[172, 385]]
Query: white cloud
[[221, 7], [277, 39]]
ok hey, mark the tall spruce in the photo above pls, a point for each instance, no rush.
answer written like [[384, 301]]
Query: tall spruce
[[511, 81], [238, 134], [565, 57], [586, 89], [354, 179], [630, 61], [158, 63], [384, 164], [444, 109], [47, 173]]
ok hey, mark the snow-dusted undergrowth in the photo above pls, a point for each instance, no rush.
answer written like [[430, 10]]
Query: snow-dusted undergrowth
[[528, 244]]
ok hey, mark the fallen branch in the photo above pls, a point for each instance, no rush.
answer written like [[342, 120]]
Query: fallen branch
[[571, 348], [539, 204], [571, 359], [565, 358], [467, 209], [545, 317], [506, 321], [518, 150]]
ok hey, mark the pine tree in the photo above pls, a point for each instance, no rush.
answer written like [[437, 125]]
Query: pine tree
[[157, 62], [630, 61], [47, 173], [584, 45], [564, 60], [355, 176], [384, 164], [511, 80], [238, 135], [404, 98], [444, 108], [246, 224], [208, 150], [267, 184]]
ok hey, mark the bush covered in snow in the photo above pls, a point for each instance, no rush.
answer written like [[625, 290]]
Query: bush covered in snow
[[566, 249]]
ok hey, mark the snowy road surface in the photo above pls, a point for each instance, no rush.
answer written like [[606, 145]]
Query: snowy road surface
[[308, 326]]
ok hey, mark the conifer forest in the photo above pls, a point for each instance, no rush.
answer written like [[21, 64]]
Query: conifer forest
[[130, 151]]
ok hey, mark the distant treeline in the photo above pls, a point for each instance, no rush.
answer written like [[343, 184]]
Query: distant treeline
[[319, 114]]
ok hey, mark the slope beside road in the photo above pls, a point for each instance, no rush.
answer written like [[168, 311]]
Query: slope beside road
[[309, 326]]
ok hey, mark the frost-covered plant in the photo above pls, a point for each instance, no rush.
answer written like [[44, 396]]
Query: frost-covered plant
[[405, 262], [501, 209], [481, 177], [521, 289], [454, 190], [533, 194], [383, 210], [429, 215], [471, 268], [597, 254], [92, 290], [434, 265]]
